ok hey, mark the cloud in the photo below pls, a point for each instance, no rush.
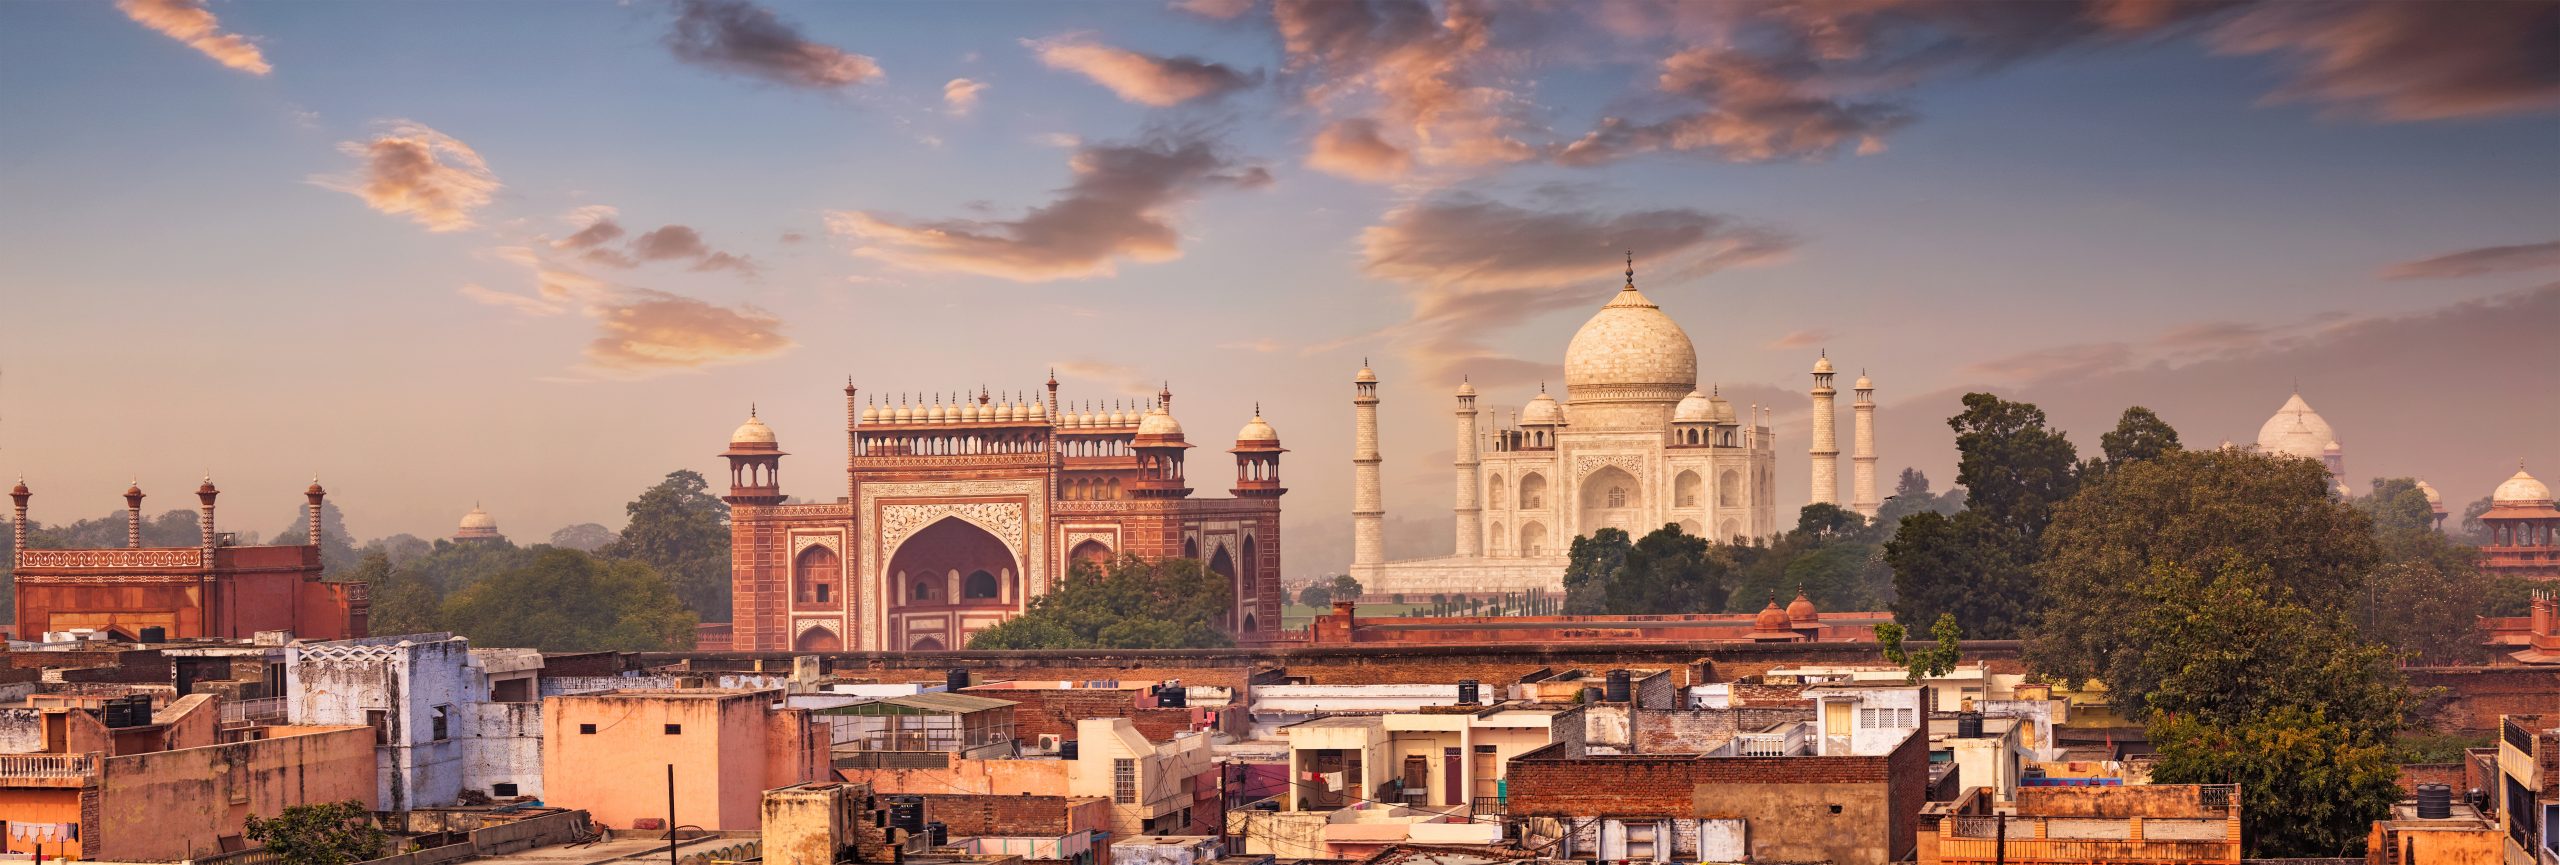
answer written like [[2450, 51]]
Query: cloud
[[1756, 110], [666, 243], [1141, 78], [598, 233], [1118, 377], [640, 331], [1119, 206], [1801, 339], [2409, 61], [673, 241], [2066, 361], [189, 22], [1474, 266], [2479, 262], [643, 331], [741, 38], [1417, 73], [1218, 9], [1352, 148], [415, 171], [960, 95]]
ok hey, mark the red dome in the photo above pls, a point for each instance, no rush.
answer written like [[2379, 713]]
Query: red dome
[[1802, 611], [1772, 618]]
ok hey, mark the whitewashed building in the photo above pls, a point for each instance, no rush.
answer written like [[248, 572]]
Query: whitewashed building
[[446, 717]]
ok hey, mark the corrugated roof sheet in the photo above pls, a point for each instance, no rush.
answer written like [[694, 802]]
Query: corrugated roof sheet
[[937, 701]]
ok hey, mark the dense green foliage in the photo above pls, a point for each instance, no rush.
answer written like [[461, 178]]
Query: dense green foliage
[[1668, 571], [2309, 787], [1937, 660], [333, 833], [1344, 588], [1975, 563], [584, 537], [1911, 495], [337, 547], [2140, 434], [1592, 563], [679, 528], [2206, 512], [2014, 470], [2225, 647], [1317, 596], [1132, 604], [2426, 596], [568, 601]]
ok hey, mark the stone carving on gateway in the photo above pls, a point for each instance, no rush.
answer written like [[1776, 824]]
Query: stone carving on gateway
[[950, 521], [1634, 445]]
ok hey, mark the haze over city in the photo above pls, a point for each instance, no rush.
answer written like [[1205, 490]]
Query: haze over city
[[535, 256]]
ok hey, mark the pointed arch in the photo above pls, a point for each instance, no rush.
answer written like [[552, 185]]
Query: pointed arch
[[1727, 487], [1687, 490], [1493, 491], [1533, 538], [818, 638], [933, 560], [1533, 491], [1610, 498], [1190, 548], [817, 577]]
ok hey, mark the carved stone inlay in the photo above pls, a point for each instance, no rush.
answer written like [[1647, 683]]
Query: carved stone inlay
[[1585, 464], [157, 557], [1004, 519], [1108, 539]]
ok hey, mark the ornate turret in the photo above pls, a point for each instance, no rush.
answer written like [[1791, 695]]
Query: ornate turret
[[18, 496], [755, 463], [312, 495], [205, 494], [1257, 453], [133, 514], [1159, 445]]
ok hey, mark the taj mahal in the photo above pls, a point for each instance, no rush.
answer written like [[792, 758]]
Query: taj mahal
[[1634, 445]]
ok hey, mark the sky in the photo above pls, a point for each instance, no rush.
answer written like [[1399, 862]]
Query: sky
[[537, 255]]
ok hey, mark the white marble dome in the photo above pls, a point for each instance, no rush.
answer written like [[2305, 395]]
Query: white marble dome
[[1694, 408], [2521, 489], [1542, 411], [479, 519], [1159, 423], [1257, 430], [752, 432], [1630, 350], [2433, 497], [2296, 431]]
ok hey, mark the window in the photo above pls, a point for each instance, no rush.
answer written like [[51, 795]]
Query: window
[[980, 584], [924, 591], [380, 721], [675, 729], [822, 592], [503, 790], [1617, 497], [438, 723], [586, 729], [1124, 781]]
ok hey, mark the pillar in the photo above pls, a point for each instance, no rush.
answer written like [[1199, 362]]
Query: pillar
[[204, 522], [1826, 440], [133, 515], [314, 494], [1368, 508], [1862, 468], [1470, 477], [18, 496]]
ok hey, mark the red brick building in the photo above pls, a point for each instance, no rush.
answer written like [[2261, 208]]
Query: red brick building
[[958, 511], [214, 589], [2524, 530]]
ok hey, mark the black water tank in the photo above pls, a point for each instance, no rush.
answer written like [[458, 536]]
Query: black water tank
[[1467, 693], [906, 813], [1621, 686], [1171, 695], [1592, 695], [1067, 750], [114, 715], [2435, 801], [955, 680], [1968, 725], [155, 634], [940, 834]]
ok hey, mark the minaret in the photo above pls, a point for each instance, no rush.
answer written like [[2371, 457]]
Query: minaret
[[1470, 476], [204, 499], [1862, 460], [314, 494], [1826, 439], [1368, 508], [852, 439], [133, 514], [18, 520]]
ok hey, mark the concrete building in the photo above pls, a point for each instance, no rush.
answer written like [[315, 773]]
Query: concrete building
[[960, 724], [2186, 824], [821, 823], [1778, 789], [447, 717], [1636, 444], [163, 791], [214, 589], [608, 752], [2524, 797], [1452, 762], [1155, 788], [2461, 837], [1049, 830]]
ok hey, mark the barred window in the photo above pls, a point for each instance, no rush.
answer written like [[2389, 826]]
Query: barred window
[[1124, 781]]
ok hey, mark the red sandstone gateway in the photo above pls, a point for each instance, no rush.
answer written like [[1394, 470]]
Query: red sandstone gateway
[[214, 589]]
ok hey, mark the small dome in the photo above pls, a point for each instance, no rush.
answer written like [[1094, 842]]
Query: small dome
[[1724, 410], [135, 491], [1542, 411], [1864, 383], [1801, 612], [1366, 375], [752, 432], [2331, 448], [1771, 618], [2521, 490], [1694, 408], [870, 413], [20, 489], [2296, 430], [479, 519], [1160, 423], [2433, 497], [1466, 388], [1822, 363], [1257, 430], [906, 414]]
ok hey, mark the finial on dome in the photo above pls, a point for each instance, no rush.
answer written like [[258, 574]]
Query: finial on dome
[[1631, 268], [751, 409]]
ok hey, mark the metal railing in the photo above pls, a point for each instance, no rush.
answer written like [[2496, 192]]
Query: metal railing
[[254, 711], [1488, 806], [2030, 851], [2517, 735], [49, 766]]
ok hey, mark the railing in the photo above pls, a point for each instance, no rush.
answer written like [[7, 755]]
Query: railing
[[2517, 735], [253, 711], [2029, 851], [14, 767], [1488, 806]]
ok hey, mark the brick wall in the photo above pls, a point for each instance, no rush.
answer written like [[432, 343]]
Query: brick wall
[[2474, 697], [1006, 816], [1694, 732], [1551, 783]]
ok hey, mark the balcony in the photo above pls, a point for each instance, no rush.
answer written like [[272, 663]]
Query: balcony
[[49, 770], [262, 710]]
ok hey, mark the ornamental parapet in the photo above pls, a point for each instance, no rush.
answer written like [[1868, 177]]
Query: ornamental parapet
[[154, 558]]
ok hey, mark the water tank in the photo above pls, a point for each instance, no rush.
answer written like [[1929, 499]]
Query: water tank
[[940, 833], [1621, 686], [955, 680], [1067, 750], [1968, 725], [1592, 695], [1173, 696], [1467, 692], [2435, 801], [155, 634]]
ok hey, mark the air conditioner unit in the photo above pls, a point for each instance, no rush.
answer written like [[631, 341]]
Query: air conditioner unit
[[1049, 741]]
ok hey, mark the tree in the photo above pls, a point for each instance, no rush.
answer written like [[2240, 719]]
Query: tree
[[2210, 512], [1345, 588], [176, 527], [1589, 566], [1961, 565], [401, 548], [334, 833], [1911, 495], [567, 601], [1827, 520], [403, 603], [2140, 434], [2308, 786], [2397, 504], [584, 537], [337, 547], [2013, 469], [2473, 530], [1937, 660], [679, 529], [1134, 604], [1316, 596], [2426, 596], [2226, 648], [1668, 571]]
